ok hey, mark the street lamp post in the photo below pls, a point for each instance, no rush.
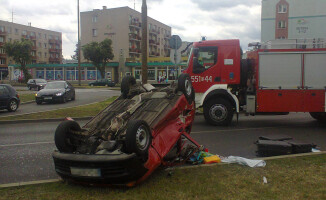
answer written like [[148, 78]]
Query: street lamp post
[[144, 42], [78, 46]]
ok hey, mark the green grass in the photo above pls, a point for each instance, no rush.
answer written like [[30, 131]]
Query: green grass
[[26, 97], [79, 111], [291, 178]]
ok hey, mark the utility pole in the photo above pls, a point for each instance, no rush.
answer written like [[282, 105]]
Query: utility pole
[[78, 46], [144, 42]]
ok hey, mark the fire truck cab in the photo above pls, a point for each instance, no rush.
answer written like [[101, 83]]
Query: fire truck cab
[[267, 81]]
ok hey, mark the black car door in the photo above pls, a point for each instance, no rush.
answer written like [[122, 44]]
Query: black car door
[[4, 96]]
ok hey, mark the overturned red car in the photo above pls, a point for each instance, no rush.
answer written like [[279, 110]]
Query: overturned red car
[[144, 128]]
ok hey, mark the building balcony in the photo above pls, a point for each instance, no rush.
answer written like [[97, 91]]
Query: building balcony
[[166, 46], [135, 25], [1, 44], [52, 41], [32, 37], [134, 36], [3, 32], [153, 42], [3, 55], [51, 50], [167, 36], [34, 48], [34, 57], [134, 51], [54, 59]]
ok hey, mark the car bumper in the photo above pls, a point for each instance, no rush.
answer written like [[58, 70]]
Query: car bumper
[[99, 169], [47, 99]]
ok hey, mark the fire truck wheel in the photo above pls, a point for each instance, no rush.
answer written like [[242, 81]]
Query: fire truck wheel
[[126, 83], [62, 136], [138, 138], [320, 116], [218, 112], [184, 85]]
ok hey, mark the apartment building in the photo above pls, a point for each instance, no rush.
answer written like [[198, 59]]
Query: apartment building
[[47, 45], [293, 19], [123, 26]]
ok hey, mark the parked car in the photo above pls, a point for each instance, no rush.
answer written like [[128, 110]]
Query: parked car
[[144, 128], [36, 83], [102, 82], [56, 91], [9, 98]]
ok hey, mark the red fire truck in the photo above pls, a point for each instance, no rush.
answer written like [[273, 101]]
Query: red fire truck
[[267, 81]]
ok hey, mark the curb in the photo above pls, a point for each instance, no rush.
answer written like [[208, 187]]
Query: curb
[[27, 102], [168, 169], [43, 120], [28, 183]]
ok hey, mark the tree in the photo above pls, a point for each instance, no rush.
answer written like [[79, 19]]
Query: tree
[[20, 51], [75, 56], [99, 54]]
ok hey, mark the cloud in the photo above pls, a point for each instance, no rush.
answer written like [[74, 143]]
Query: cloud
[[214, 5]]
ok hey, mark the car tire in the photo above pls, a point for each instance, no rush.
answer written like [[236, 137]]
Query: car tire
[[73, 98], [38, 102], [320, 116], [62, 136], [64, 99], [13, 105], [185, 86], [126, 83], [138, 138], [218, 112]]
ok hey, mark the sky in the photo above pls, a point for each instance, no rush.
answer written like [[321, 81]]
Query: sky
[[190, 19]]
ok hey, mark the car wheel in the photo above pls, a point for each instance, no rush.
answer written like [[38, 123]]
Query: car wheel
[[126, 83], [218, 112], [73, 97], [13, 105], [185, 86], [320, 116], [64, 99], [62, 136], [39, 102], [138, 138]]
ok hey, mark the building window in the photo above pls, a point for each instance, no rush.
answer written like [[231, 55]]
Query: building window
[[39, 54], [39, 35], [45, 55], [44, 36], [50, 37], [16, 31], [57, 37], [24, 32], [33, 34], [44, 45], [94, 32], [2, 29], [94, 19], [2, 50], [33, 53], [282, 8], [2, 39], [39, 44], [281, 24], [2, 61]]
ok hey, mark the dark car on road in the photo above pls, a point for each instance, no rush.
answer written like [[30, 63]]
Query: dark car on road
[[102, 82], [56, 91], [36, 84], [9, 98]]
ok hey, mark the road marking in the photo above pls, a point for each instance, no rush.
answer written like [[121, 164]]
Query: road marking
[[241, 129], [25, 144]]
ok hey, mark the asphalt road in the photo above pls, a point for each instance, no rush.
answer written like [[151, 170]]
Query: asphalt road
[[83, 96], [25, 149]]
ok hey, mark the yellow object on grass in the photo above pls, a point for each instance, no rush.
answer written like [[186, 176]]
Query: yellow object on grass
[[212, 159]]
